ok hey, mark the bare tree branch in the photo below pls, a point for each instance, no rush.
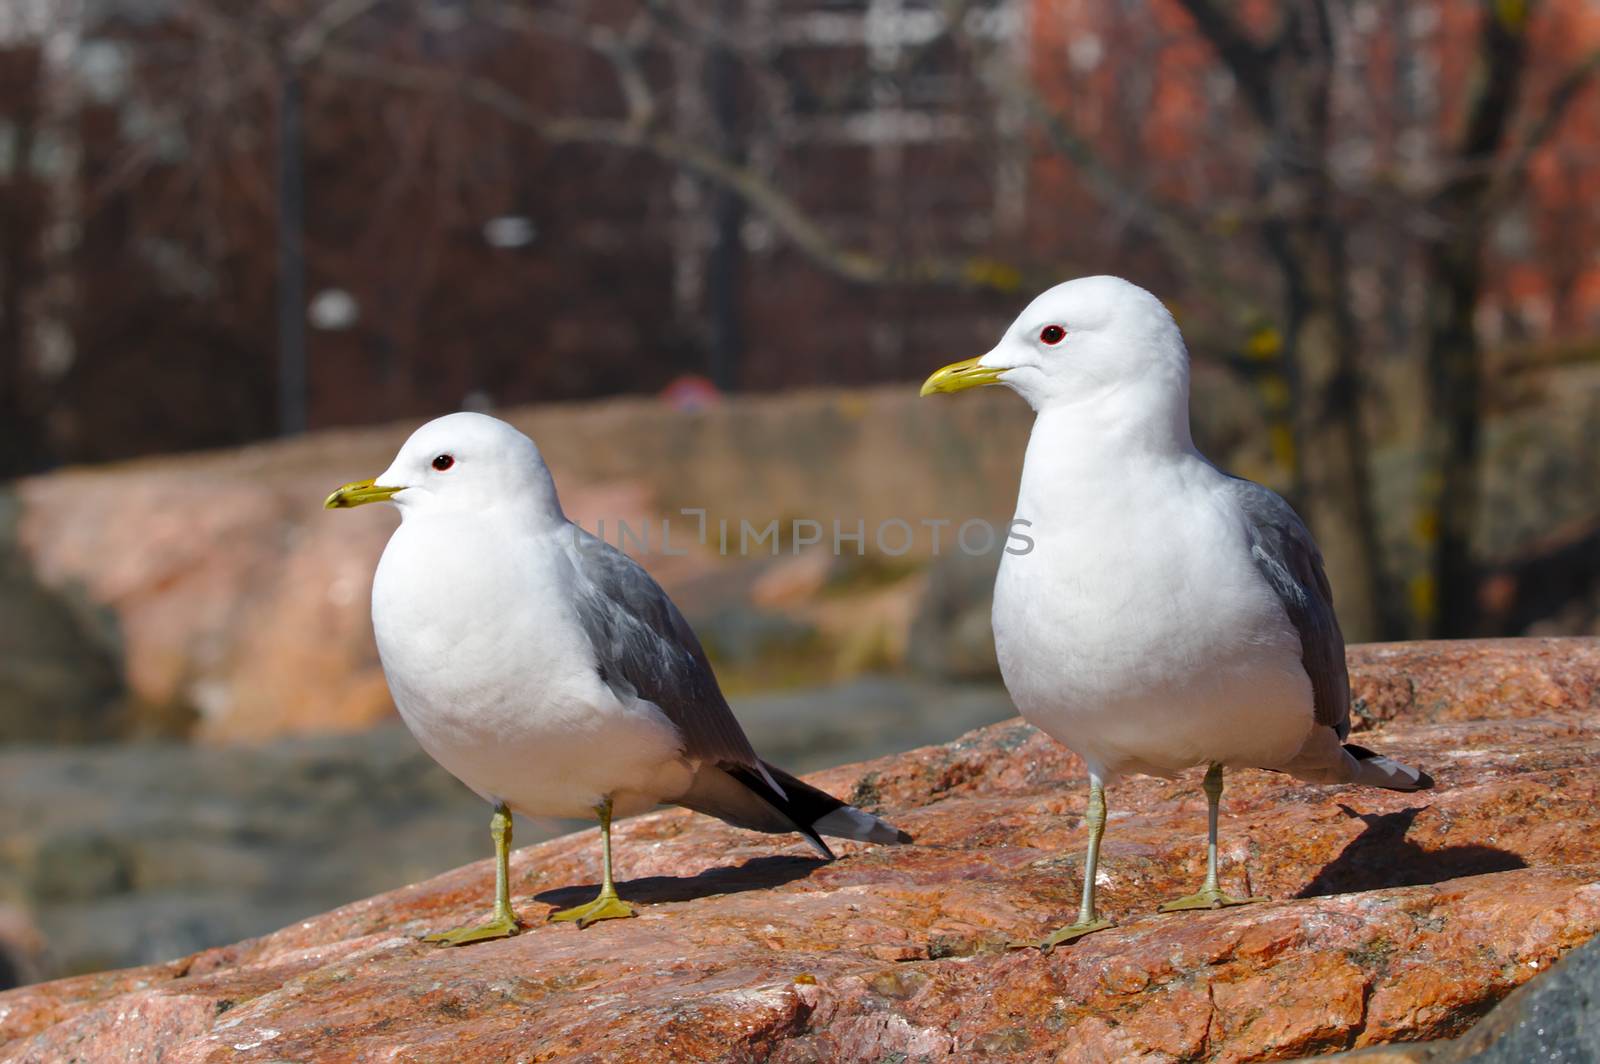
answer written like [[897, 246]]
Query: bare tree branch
[[1513, 172], [1195, 243], [1453, 356], [784, 213], [633, 132], [1503, 48], [620, 50], [1249, 61], [315, 32]]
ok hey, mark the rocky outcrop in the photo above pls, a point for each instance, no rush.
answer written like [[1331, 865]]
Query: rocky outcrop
[[1393, 917]]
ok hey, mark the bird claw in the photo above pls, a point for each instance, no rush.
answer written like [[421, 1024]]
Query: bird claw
[[1070, 933], [500, 927], [602, 908], [1205, 899]]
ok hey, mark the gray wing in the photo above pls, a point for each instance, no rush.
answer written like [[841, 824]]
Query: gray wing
[[645, 648], [1288, 557]]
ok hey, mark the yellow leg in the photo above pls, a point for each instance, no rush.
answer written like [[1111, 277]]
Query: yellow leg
[[607, 906], [504, 923], [1210, 895], [1089, 919]]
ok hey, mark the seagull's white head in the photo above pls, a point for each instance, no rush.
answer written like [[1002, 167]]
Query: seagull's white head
[[1088, 341], [460, 463]]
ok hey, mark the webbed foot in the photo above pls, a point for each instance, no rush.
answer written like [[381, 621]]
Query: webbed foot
[[502, 926], [1068, 934], [1205, 899], [605, 907]]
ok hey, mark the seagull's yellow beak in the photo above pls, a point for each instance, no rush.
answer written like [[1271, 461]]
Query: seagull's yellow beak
[[959, 376], [358, 493]]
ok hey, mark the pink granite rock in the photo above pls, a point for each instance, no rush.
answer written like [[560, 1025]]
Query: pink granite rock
[[1394, 917]]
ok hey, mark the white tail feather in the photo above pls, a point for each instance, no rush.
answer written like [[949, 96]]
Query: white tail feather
[[848, 822]]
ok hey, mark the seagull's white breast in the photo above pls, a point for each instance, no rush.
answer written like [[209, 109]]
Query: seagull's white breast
[[492, 673], [1138, 631]]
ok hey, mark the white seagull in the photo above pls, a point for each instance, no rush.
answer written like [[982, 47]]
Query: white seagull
[[1168, 614], [547, 671]]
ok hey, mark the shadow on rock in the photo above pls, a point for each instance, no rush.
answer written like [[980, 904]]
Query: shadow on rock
[[758, 874], [1381, 857]]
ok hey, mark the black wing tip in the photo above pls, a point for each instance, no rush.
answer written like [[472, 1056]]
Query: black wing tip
[[903, 837], [784, 802], [1424, 782]]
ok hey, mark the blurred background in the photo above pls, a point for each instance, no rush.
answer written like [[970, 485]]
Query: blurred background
[[703, 250]]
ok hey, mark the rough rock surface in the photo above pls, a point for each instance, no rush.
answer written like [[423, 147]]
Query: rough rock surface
[[1393, 917], [1554, 1020]]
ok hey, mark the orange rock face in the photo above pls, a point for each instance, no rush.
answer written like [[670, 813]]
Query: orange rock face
[[1394, 917]]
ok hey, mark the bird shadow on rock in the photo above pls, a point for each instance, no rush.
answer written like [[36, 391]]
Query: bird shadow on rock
[[760, 873], [1382, 857]]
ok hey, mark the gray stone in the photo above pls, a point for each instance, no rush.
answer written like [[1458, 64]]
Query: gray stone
[[59, 679], [1554, 1018], [867, 717], [739, 635], [128, 854], [951, 638]]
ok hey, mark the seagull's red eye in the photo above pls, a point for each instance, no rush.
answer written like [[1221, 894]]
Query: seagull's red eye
[[1052, 334], [441, 462]]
